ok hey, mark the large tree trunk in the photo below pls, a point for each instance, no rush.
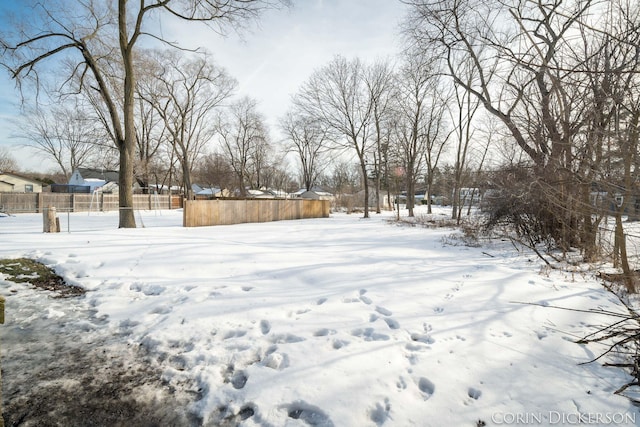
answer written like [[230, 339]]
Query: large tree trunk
[[378, 181], [365, 183], [186, 176], [126, 147], [411, 189], [127, 217], [621, 249]]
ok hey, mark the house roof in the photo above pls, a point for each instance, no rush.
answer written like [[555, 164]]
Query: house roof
[[22, 177], [102, 174]]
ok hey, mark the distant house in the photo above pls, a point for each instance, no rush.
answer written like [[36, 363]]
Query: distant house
[[164, 189], [258, 194], [106, 180], [209, 192], [14, 183], [314, 194]]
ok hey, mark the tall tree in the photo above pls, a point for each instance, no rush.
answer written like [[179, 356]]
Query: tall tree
[[65, 134], [85, 32], [187, 96], [309, 139], [151, 135], [214, 170], [338, 95], [7, 162], [530, 69], [462, 112], [419, 127], [242, 131], [380, 80]]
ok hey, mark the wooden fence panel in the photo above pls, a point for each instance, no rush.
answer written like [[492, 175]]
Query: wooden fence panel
[[79, 202], [198, 213], [19, 202], [62, 202], [253, 211]]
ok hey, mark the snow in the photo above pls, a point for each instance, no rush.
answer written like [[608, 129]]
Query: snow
[[336, 322]]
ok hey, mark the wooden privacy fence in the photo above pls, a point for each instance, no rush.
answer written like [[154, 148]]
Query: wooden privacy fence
[[69, 202], [198, 213]]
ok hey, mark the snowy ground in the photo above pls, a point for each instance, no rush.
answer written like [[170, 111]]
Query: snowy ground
[[325, 322]]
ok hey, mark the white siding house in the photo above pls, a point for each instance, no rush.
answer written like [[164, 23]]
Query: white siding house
[[15, 183]]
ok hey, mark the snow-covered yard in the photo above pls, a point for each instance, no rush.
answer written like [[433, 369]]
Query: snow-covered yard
[[326, 322]]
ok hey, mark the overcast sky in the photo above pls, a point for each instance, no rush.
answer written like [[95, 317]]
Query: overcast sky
[[272, 60]]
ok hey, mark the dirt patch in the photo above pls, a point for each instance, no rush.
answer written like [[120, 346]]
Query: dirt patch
[[64, 366], [25, 270]]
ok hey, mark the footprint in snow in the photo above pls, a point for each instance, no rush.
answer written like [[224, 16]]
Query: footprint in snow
[[226, 415], [246, 412], [285, 339], [321, 301], [338, 344], [380, 413], [324, 332], [474, 393], [149, 290], [247, 288], [413, 348], [162, 309], [234, 334], [368, 334], [237, 379], [391, 323], [401, 384], [265, 327], [423, 338], [365, 299], [383, 311], [438, 310], [276, 361], [426, 387], [309, 414]]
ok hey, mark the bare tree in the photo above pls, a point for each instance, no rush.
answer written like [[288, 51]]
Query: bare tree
[[338, 95], [242, 131], [309, 139], [609, 151], [420, 125], [261, 162], [276, 178], [7, 161], [380, 80], [214, 170], [151, 135], [462, 113], [186, 97], [524, 63], [64, 134], [85, 32]]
